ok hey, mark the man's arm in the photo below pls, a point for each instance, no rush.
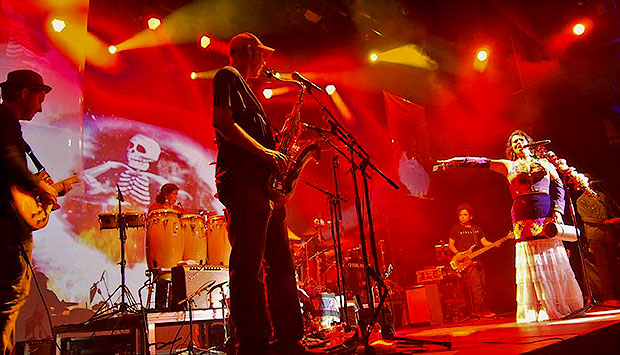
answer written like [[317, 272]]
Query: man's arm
[[18, 173], [485, 242], [452, 246], [231, 131]]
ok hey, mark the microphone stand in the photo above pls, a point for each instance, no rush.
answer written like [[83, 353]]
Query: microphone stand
[[335, 212], [356, 151]]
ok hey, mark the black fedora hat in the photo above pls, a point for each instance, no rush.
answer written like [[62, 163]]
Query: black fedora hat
[[26, 78]]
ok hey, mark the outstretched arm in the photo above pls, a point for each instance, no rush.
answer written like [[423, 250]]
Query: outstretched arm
[[497, 165]]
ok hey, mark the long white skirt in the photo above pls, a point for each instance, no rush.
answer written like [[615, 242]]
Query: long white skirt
[[546, 284]]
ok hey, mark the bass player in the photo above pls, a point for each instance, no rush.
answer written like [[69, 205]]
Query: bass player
[[464, 237]]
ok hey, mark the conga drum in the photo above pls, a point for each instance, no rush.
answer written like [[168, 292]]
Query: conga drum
[[218, 245], [164, 240], [108, 220], [195, 235]]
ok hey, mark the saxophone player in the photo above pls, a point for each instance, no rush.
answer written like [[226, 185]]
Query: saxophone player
[[246, 159]]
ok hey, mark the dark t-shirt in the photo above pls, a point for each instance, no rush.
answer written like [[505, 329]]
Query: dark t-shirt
[[235, 164], [465, 237], [12, 156]]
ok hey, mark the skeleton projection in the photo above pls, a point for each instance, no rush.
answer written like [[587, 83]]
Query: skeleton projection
[[135, 179]]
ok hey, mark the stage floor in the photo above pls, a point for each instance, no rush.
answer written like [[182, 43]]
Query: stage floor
[[596, 332]]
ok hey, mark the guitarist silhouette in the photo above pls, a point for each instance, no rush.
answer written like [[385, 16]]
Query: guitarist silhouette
[[22, 95], [464, 238]]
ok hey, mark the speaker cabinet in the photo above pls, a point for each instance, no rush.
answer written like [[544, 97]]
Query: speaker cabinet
[[424, 305]]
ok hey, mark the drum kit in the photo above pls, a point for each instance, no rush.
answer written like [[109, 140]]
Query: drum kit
[[315, 270]]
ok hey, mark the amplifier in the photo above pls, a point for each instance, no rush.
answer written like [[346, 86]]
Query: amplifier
[[207, 284], [430, 275]]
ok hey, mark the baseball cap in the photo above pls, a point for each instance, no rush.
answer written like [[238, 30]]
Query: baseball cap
[[245, 39]]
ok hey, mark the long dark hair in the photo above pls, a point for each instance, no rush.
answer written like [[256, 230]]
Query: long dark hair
[[510, 154], [166, 189]]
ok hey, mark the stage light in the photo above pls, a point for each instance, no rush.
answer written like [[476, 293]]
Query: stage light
[[112, 49], [153, 23], [579, 29], [193, 75], [373, 57], [482, 55], [267, 93], [330, 89], [58, 25], [205, 41]]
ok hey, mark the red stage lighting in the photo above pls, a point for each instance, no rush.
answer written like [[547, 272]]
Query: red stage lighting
[[193, 75], [330, 89], [153, 23], [579, 29], [267, 93], [482, 55], [112, 49], [373, 57]]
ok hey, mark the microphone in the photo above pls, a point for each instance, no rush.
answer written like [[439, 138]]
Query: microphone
[[269, 74], [120, 194], [305, 81], [316, 129], [537, 143]]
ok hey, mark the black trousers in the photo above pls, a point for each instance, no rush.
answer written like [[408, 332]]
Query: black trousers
[[259, 238], [15, 277], [606, 261], [474, 279]]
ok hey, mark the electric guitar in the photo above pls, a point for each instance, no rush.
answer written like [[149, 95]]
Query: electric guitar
[[34, 209], [463, 260]]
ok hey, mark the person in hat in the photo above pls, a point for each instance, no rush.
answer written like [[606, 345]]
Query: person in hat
[[246, 158], [23, 93]]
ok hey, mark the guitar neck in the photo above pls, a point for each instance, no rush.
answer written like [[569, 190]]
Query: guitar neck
[[484, 249], [60, 185]]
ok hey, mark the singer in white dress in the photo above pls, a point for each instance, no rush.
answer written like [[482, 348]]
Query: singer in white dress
[[546, 284]]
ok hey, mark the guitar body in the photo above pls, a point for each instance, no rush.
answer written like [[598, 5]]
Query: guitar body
[[34, 212], [33, 209], [461, 261]]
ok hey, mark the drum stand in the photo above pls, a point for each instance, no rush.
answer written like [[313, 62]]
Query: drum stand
[[360, 163], [122, 307], [336, 217]]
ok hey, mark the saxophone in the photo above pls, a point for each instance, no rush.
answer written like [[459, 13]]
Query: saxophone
[[281, 184]]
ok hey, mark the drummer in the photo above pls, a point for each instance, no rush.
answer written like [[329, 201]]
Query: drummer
[[167, 198]]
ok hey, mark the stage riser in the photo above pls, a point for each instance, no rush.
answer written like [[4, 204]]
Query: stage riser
[[604, 340]]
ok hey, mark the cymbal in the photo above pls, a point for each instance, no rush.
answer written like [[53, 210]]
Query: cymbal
[[292, 236]]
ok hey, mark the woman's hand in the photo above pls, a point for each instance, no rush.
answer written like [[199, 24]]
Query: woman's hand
[[557, 216]]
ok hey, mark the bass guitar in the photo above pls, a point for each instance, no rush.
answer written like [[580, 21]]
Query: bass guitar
[[463, 260], [34, 209]]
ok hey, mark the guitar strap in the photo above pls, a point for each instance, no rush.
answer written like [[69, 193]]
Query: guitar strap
[[33, 158]]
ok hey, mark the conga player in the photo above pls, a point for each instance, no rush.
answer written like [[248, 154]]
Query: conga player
[[167, 198]]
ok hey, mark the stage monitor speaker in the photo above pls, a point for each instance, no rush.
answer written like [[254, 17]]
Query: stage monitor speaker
[[424, 305], [186, 280]]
